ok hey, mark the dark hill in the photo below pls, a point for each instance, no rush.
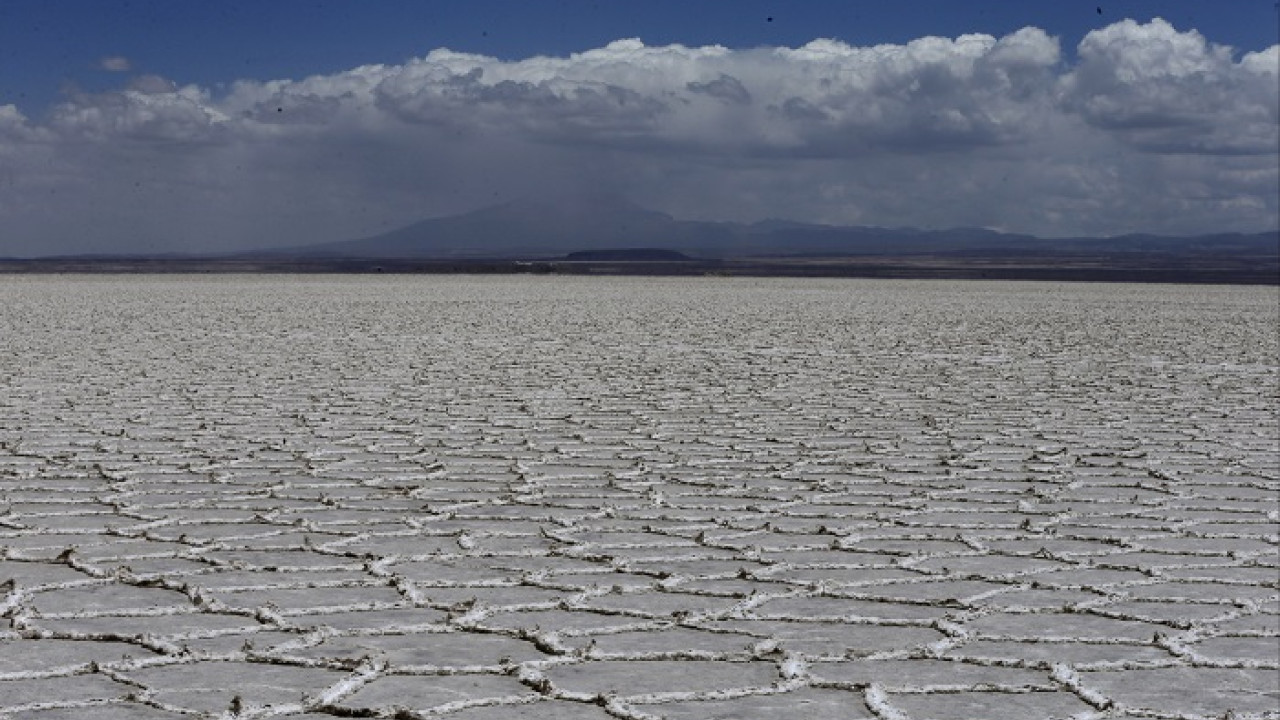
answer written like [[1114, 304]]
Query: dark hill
[[628, 255], [527, 229]]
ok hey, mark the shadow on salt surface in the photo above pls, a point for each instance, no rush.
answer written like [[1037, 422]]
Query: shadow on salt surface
[[669, 643], [937, 675], [400, 619], [823, 639], [1062, 626], [110, 711], [367, 596], [441, 650], [835, 609], [21, 658], [1264, 650], [660, 604], [428, 693], [175, 625], [649, 678], [968, 705], [806, 702], [540, 710], [210, 686], [67, 690], [1045, 653], [110, 598], [1202, 691]]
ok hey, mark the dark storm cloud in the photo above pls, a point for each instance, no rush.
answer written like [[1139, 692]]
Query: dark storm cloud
[[1151, 130], [584, 112]]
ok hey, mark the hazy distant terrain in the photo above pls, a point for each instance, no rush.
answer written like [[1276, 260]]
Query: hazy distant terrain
[[606, 235], [483, 498], [552, 228]]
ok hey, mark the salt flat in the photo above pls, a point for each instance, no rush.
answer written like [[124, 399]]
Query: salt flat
[[482, 498]]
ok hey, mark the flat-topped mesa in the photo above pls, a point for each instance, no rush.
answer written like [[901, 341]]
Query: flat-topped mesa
[[628, 255]]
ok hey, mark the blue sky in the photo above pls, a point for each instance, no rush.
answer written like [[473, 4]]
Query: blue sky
[[174, 124]]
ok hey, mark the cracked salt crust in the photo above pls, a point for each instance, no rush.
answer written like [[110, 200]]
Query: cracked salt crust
[[481, 498]]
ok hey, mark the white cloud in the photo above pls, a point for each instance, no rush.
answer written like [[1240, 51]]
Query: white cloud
[[1152, 129], [115, 63], [1167, 91], [152, 109], [12, 121]]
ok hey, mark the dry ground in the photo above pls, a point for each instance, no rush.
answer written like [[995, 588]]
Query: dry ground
[[572, 498]]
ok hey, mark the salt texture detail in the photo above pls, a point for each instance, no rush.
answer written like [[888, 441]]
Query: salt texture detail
[[479, 498]]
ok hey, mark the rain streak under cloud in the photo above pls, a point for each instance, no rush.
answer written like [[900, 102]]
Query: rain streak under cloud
[[1145, 128]]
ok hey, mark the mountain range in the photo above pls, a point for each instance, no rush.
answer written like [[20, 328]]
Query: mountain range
[[552, 228]]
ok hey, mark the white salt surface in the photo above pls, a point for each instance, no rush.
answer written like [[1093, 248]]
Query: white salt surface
[[480, 498]]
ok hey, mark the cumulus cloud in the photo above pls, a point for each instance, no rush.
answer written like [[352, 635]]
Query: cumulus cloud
[[1150, 128], [152, 109], [1167, 91]]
